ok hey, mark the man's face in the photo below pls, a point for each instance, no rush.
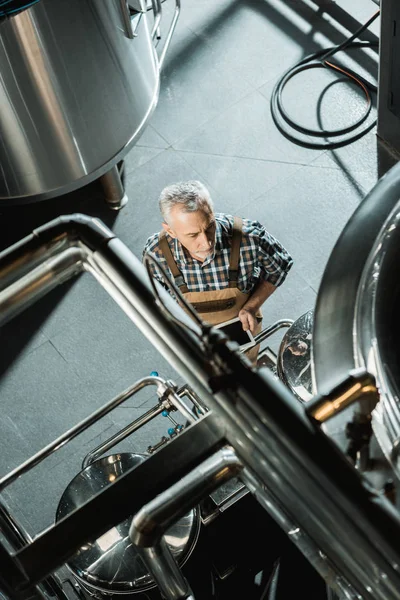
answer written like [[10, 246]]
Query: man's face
[[194, 230]]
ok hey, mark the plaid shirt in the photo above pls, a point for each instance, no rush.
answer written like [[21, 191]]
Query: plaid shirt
[[261, 257]]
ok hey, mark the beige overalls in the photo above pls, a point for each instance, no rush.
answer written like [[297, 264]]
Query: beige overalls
[[216, 306]]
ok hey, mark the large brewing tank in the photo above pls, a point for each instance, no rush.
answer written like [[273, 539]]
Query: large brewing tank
[[79, 81], [356, 320]]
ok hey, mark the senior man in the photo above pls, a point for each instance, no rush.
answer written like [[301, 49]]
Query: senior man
[[224, 266]]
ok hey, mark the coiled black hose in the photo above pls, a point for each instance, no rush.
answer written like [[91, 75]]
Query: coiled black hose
[[321, 59]]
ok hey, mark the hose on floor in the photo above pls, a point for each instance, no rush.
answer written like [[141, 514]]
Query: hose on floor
[[318, 60]]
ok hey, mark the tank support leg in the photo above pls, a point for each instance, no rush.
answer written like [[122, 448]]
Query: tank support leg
[[114, 191]]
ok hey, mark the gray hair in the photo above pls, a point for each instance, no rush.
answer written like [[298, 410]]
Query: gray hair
[[191, 195]]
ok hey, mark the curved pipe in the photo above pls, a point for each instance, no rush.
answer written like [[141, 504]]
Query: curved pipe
[[268, 331], [150, 524]]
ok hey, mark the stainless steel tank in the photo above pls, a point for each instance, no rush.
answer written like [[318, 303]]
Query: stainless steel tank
[[79, 81], [111, 564], [356, 321]]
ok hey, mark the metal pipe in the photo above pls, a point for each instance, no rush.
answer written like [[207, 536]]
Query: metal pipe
[[170, 33], [300, 538], [268, 331], [127, 19], [172, 398], [121, 435], [177, 402], [41, 280], [157, 9], [360, 387], [185, 390], [74, 431], [149, 525]]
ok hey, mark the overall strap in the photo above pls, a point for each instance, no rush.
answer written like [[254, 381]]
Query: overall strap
[[235, 252], [166, 250]]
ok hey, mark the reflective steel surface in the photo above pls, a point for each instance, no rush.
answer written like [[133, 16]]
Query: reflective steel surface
[[294, 469], [76, 92], [377, 328], [112, 563], [335, 343], [356, 321], [294, 357]]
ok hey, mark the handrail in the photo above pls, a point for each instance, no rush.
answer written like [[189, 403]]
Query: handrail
[[76, 430], [171, 398], [271, 329], [170, 33]]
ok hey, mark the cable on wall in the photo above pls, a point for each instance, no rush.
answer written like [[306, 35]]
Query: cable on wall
[[318, 60]]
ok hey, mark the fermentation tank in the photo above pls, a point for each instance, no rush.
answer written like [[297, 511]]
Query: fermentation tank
[[79, 81], [356, 322]]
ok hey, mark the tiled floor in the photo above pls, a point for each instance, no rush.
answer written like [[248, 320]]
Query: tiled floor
[[71, 352]]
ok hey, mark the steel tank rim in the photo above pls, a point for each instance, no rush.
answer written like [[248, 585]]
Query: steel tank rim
[[77, 184], [150, 584], [68, 186], [337, 305]]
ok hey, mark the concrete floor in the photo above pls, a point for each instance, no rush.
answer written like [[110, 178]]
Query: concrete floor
[[74, 350]]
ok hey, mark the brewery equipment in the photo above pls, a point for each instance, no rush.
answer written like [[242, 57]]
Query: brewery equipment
[[244, 424], [80, 80]]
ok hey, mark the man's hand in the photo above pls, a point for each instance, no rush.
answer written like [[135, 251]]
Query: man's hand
[[247, 315], [248, 319]]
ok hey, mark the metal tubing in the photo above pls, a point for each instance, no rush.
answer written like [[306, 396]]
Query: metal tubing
[[167, 575], [149, 525], [185, 390], [170, 34], [268, 331], [177, 402], [74, 431], [359, 387], [300, 538], [127, 495], [121, 435], [127, 19], [40, 281], [139, 422], [157, 9]]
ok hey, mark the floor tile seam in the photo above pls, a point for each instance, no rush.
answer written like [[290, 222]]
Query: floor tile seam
[[29, 351], [158, 133], [210, 46], [152, 147], [58, 352], [200, 176], [278, 184], [85, 446], [351, 176], [236, 156], [134, 168], [214, 117]]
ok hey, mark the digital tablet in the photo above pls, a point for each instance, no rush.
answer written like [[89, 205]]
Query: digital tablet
[[234, 330]]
